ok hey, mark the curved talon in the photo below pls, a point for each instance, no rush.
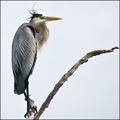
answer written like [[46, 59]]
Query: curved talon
[[25, 115]]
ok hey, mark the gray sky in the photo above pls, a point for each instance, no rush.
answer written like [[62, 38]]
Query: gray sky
[[93, 90]]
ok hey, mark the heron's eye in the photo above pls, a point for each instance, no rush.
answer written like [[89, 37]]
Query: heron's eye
[[42, 17]]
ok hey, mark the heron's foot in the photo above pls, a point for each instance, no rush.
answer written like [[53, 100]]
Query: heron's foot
[[31, 113], [32, 110]]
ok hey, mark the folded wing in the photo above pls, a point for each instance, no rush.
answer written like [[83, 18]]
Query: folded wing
[[24, 50]]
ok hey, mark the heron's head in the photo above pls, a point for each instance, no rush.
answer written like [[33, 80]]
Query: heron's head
[[41, 17]]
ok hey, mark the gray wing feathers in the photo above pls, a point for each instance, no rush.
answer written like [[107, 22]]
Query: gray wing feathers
[[23, 55]]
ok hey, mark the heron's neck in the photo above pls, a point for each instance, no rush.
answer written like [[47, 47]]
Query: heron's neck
[[42, 33], [33, 24], [37, 25]]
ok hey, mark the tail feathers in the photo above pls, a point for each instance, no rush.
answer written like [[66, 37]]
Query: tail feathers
[[19, 86]]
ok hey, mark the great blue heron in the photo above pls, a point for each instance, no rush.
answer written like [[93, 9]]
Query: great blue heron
[[28, 40]]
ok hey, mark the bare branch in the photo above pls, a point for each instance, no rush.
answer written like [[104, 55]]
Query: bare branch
[[68, 74]]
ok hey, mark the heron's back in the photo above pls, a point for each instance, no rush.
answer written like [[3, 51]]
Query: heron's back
[[24, 50]]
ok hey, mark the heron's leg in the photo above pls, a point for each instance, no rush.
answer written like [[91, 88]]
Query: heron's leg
[[26, 94], [28, 101]]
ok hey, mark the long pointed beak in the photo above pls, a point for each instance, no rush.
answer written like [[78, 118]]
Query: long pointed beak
[[52, 18]]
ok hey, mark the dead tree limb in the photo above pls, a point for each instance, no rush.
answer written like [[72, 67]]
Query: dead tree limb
[[67, 75]]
